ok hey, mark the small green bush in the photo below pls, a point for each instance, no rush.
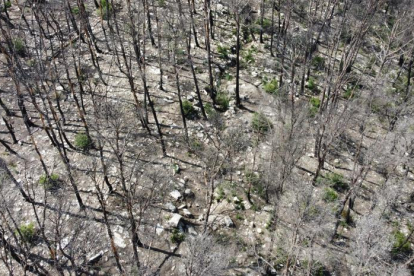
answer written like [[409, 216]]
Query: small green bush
[[400, 246], [261, 123], [228, 77], [208, 108], [223, 100], [337, 182], [330, 195], [223, 52], [104, 9], [177, 236], [318, 62], [83, 142], [271, 87], [19, 46], [188, 109], [248, 56], [349, 94], [311, 85], [220, 194], [27, 232], [6, 6], [75, 10], [315, 103], [49, 183]]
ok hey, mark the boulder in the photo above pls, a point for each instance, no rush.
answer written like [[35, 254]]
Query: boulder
[[176, 195], [159, 229], [119, 240], [187, 213], [175, 221], [228, 221], [188, 193], [170, 207], [192, 231]]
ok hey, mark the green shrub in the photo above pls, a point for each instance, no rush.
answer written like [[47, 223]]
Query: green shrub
[[177, 236], [311, 85], [222, 99], [220, 194], [6, 6], [223, 52], [401, 246], [188, 109], [261, 123], [104, 9], [315, 103], [27, 232], [271, 87], [75, 10], [248, 56], [318, 62], [83, 141], [337, 182], [208, 108], [330, 195], [267, 23], [50, 182], [19, 46], [349, 94]]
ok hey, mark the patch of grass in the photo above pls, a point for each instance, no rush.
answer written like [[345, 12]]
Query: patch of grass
[[209, 109], [337, 182], [248, 56], [311, 85], [220, 194], [315, 103], [261, 123], [239, 217], [19, 46], [189, 110], [318, 63], [223, 52], [27, 232], [195, 144], [401, 246], [83, 142], [223, 100], [104, 9], [7, 5], [349, 93], [75, 10], [271, 87], [49, 183], [177, 236], [330, 195], [228, 77]]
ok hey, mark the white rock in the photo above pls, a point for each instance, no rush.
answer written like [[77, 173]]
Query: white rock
[[268, 208], [187, 213], [188, 192], [175, 220], [182, 206], [159, 229], [119, 240], [170, 207], [192, 231], [175, 194]]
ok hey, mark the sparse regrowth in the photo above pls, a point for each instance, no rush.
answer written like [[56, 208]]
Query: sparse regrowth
[[83, 142], [261, 123], [26, 232]]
